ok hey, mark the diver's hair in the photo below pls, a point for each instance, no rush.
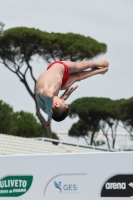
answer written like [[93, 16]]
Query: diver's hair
[[60, 114]]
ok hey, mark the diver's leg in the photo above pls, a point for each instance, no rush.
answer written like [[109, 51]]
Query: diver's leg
[[74, 77], [74, 67]]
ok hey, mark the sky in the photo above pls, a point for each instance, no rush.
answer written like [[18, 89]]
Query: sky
[[108, 22]]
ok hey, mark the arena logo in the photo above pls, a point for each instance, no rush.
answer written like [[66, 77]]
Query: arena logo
[[14, 186], [115, 186], [66, 188], [1, 28], [118, 186]]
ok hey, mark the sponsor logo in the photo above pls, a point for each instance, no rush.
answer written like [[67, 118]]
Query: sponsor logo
[[118, 186], [65, 184], [66, 188], [115, 186], [14, 186], [1, 28]]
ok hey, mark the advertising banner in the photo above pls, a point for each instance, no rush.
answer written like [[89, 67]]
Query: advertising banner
[[94, 176]]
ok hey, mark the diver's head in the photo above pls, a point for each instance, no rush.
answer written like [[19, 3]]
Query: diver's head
[[60, 109]]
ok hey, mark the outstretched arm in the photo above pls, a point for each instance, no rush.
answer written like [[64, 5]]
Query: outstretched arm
[[68, 92]]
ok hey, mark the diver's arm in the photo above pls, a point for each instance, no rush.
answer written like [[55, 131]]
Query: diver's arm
[[68, 92], [48, 97]]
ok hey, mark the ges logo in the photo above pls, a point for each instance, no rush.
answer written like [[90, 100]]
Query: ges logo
[[66, 188]]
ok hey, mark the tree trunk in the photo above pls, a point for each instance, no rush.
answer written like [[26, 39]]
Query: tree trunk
[[107, 141], [92, 137]]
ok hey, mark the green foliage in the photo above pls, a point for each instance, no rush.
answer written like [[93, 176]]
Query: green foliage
[[101, 114], [80, 128], [95, 114], [54, 136], [126, 109], [73, 47], [25, 124], [92, 109], [126, 114], [22, 43], [6, 112], [21, 123]]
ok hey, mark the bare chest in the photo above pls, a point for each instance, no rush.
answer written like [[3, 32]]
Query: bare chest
[[51, 79]]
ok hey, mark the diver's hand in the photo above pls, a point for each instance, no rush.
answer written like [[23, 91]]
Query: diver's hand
[[69, 92]]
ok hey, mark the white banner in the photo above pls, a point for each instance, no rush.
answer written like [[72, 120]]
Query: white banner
[[87, 176]]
